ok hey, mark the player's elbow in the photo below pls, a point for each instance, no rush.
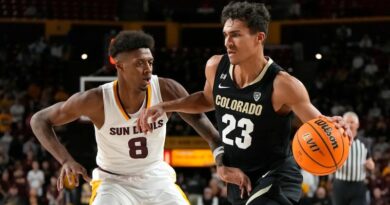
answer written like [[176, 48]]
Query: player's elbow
[[37, 119], [34, 120]]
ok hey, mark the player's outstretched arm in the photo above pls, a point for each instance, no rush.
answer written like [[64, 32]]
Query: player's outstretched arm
[[42, 124]]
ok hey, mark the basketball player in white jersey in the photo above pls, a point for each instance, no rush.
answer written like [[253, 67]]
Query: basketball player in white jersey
[[130, 163]]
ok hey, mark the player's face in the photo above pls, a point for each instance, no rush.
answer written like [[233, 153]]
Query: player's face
[[239, 42], [137, 67], [353, 122]]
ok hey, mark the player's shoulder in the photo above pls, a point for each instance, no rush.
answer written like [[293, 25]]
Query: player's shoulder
[[288, 89], [212, 66], [89, 98], [86, 103], [170, 89], [285, 80], [94, 94], [214, 61], [167, 82]]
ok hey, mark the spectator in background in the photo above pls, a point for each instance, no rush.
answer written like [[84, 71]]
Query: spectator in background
[[321, 197], [47, 172], [214, 185], [5, 121], [5, 142], [365, 42], [17, 111], [378, 197], [31, 146], [36, 178], [53, 196], [207, 198], [371, 68], [222, 200], [310, 183], [13, 197], [5, 181], [3, 160], [33, 197], [352, 175], [86, 193]]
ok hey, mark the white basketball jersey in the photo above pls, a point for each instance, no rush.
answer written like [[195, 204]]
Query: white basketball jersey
[[122, 148]]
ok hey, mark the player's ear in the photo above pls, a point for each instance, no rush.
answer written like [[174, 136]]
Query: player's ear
[[115, 61], [261, 37], [119, 65]]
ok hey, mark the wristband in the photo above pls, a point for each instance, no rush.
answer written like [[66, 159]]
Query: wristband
[[217, 151]]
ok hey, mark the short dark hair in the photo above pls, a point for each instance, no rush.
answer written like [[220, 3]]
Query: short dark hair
[[127, 41], [255, 15]]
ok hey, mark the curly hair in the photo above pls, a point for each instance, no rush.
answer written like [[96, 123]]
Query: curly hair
[[127, 41], [255, 15]]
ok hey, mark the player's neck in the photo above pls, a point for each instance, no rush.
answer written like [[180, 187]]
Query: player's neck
[[131, 97], [247, 71]]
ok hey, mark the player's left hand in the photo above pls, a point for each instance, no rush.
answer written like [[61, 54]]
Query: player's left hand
[[235, 176], [71, 169], [340, 124], [153, 113]]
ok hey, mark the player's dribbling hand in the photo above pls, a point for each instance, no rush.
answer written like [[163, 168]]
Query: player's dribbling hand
[[341, 125], [235, 176], [153, 113], [71, 169]]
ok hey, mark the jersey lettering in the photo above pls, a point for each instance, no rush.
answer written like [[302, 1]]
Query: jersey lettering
[[245, 140]]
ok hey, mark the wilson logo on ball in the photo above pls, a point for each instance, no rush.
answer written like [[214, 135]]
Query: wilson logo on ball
[[328, 130]]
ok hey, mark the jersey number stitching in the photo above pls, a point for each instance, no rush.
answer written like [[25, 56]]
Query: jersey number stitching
[[138, 148], [245, 140]]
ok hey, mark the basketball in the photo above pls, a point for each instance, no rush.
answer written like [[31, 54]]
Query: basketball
[[319, 147], [70, 184]]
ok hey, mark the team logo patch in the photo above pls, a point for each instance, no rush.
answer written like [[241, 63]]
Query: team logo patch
[[256, 96]]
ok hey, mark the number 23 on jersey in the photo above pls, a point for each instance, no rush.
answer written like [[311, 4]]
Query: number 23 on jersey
[[245, 140]]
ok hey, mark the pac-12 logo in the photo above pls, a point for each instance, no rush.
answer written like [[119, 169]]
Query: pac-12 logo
[[256, 96]]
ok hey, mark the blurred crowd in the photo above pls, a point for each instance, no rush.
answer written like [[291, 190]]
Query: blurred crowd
[[352, 75], [176, 10]]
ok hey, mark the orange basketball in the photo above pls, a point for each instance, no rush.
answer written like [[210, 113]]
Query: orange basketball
[[319, 147]]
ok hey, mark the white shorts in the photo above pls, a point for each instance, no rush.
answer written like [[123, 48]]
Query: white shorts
[[153, 187]]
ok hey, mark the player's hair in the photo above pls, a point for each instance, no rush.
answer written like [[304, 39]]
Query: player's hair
[[255, 15], [127, 41]]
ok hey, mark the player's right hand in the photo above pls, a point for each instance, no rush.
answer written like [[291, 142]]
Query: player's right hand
[[152, 113], [235, 176], [343, 126], [71, 169]]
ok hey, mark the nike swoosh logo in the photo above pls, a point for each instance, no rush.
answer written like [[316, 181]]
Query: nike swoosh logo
[[264, 175], [222, 87], [258, 194]]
